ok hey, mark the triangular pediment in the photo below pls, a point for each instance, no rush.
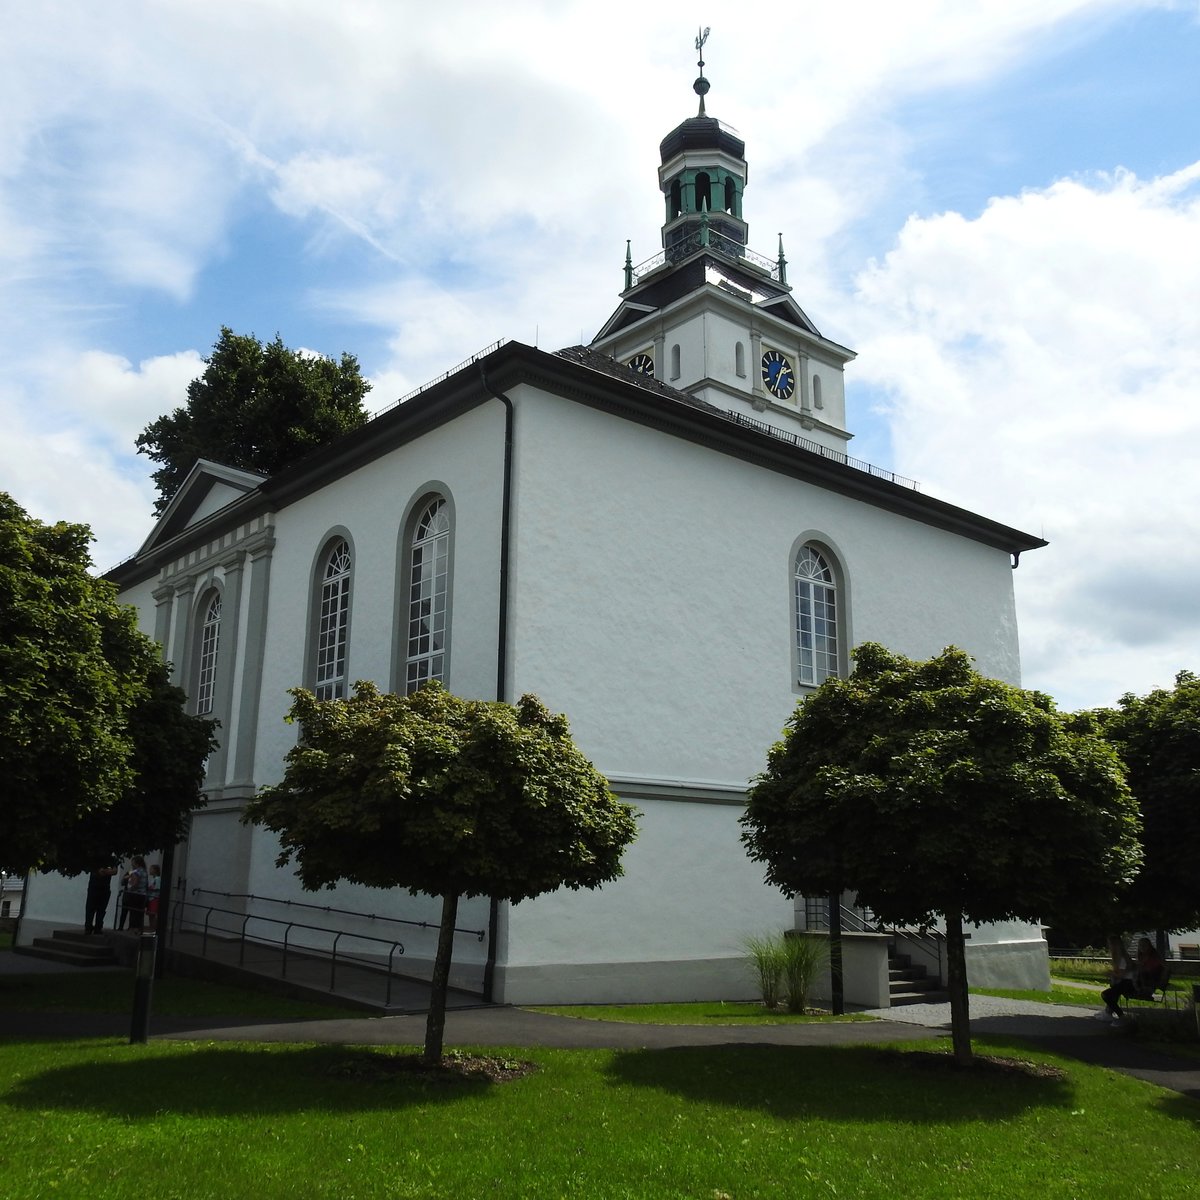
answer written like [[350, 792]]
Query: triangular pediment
[[208, 488]]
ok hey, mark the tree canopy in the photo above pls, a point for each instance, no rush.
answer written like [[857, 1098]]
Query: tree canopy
[[930, 790], [257, 407], [445, 796], [1158, 737], [170, 747], [88, 721]]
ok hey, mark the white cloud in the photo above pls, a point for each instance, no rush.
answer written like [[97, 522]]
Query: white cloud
[[1042, 364], [438, 177], [70, 428]]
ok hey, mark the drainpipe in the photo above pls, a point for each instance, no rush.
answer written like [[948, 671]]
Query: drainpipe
[[489, 970]]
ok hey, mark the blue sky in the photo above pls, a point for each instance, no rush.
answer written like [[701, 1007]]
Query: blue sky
[[996, 204]]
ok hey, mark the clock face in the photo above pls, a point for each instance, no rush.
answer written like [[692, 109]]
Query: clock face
[[643, 363], [777, 374]]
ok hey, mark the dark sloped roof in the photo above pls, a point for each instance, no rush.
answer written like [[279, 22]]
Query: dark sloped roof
[[701, 133], [596, 361]]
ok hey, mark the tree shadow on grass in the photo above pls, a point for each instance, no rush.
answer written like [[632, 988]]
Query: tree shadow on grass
[[1182, 1108], [846, 1083], [242, 1080]]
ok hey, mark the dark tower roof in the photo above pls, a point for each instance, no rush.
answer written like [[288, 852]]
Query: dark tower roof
[[701, 133]]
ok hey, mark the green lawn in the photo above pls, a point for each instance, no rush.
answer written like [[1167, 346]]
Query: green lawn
[[194, 1121], [704, 1013], [1059, 993]]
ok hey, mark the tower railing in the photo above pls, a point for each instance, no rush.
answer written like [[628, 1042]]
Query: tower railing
[[718, 242]]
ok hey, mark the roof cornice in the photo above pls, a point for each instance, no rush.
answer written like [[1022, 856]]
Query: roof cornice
[[644, 401]]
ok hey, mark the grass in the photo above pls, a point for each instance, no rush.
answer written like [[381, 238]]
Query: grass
[[1059, 993], [198, 1120], [100, 991], [716, 1012]]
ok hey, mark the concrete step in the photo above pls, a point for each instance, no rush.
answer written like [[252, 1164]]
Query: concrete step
[[909, 972], [930, 997], [72, 946], [914, 985]]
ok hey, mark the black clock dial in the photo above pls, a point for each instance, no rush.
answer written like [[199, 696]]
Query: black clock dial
[[643, 363], [777, 374]]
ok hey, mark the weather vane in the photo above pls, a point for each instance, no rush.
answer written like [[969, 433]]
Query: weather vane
[[701, 84]]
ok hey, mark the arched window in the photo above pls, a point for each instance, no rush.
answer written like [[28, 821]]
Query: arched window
[[730, 195], [703, 192], [816, 618], [210, 636], [428, 595], [333, 622], [816, 392], [739, 360], [675, 372], [676, 199]]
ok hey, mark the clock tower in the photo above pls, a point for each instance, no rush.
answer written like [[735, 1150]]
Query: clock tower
[[709, 316]]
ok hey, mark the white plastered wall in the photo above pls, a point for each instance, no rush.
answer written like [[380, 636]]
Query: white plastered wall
[[672, 928], [652, 604]]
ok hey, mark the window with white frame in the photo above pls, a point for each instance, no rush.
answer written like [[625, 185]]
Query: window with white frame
[[816, 618], [210, 637], [333, 622], [428, 595]]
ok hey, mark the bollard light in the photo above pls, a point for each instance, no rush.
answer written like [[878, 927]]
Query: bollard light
[[143, 983]]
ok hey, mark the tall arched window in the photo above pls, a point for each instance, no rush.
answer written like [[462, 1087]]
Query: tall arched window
[[816, 392], [428, 595], [739, 360], [703, 192], [675, 360], [333, 621], [730, 195], [210, 637], [676, 200], [816, 618]]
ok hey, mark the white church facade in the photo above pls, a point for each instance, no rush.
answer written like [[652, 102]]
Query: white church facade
[[660, 534]]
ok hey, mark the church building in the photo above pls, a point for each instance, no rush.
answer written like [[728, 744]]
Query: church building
[[661, 534]]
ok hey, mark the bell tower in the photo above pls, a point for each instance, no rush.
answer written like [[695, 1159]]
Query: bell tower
[[709, 316], [702, 176]]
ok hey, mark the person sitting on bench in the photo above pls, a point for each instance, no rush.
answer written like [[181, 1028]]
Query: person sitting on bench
[[1147, 980]]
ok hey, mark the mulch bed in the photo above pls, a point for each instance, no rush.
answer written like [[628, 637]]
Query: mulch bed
[[455, 1068], [982, 1064]]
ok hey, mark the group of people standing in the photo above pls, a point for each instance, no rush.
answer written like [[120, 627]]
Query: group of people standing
[[136, 901]]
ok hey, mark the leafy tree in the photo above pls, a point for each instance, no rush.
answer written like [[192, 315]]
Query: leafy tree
[[1158, 737], [445, 796], [255, 407], [73, 668], [170, 747], [930, 790]]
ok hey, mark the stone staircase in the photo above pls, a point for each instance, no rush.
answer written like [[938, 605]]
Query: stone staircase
[[910, 984], [75, 947]]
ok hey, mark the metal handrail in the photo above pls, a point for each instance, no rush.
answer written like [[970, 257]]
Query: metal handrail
[[480, 934], [804, 443], [395, 947], [863, 920]]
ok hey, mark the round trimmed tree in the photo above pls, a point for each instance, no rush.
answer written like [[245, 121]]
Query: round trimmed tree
[[934, 792], [445, 796]]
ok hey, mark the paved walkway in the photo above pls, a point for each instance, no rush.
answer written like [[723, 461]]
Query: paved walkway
[[1060, 1028]]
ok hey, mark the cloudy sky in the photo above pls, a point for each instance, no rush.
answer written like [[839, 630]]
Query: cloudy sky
[[996, 203]]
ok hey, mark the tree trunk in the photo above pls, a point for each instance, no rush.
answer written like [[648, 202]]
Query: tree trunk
[[837, 997], [435, 1023], [956, 983]]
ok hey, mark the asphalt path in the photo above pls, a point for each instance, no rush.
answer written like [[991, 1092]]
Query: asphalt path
[[1062, 1029]]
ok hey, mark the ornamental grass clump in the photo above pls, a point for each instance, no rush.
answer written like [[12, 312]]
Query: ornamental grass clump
[[804, 958], [767, 961]]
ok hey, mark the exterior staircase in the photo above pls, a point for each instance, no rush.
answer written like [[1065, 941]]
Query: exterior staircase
[[75, 947], [909, 983]]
